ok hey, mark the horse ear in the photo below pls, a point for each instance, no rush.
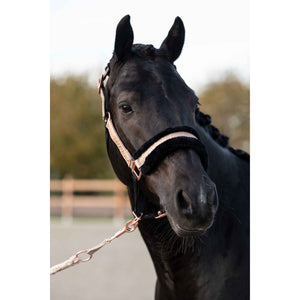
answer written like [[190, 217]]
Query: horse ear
[[173, 43], [124, 38]]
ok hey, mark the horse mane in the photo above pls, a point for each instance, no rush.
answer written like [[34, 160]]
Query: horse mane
[[205, 121]]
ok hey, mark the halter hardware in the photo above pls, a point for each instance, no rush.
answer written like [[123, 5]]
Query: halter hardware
[[137, 175], [100, 86]]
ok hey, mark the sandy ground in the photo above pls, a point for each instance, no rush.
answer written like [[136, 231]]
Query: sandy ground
[[120, 270]]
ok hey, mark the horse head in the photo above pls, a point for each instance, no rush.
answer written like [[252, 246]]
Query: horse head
[[146, 96]]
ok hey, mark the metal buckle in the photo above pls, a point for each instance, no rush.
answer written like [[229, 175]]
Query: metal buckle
[[100, 86], [138, 176], [102, 78], [160, 214], [129, 227]]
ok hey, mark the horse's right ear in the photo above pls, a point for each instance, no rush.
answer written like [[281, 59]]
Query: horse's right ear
[[124, 38]]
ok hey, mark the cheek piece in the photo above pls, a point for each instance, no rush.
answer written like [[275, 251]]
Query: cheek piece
[[146, 159]]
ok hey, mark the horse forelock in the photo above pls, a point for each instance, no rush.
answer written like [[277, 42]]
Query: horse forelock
[[137, 50], [144, 51]]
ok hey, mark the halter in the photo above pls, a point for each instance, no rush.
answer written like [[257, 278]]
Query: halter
[[143, 161], [150, 154]]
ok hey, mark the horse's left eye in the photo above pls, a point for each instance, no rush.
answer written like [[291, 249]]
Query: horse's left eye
[[126, 109]]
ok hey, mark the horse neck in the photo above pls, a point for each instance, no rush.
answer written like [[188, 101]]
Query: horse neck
[[173, 259], [223, 166]]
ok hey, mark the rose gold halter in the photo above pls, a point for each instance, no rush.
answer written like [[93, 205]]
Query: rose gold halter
[[134, 164]]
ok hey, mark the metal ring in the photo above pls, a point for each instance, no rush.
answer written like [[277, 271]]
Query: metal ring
[[131, 225], [138, 176], [77, 259]]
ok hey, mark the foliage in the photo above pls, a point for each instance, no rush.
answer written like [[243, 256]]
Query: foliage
[[77, 145], [227, 102]]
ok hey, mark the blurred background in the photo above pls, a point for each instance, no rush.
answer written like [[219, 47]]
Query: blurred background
[[87, 202]]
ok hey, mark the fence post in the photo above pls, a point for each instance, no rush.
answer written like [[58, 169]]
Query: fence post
[[67, 199]]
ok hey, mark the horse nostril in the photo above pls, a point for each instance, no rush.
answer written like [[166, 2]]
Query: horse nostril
[[184, 203]]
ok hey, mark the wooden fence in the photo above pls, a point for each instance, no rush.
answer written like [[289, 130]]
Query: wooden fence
[[91, 197]]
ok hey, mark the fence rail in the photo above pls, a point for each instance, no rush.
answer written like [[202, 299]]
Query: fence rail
[[71, 197]]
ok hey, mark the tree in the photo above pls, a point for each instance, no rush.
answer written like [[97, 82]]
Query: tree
[[77, 145], [227, 101]]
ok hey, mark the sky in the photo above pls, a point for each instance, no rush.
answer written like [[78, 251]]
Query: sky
[[216, 41]]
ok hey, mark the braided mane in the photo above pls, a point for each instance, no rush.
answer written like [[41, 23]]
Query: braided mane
[[205, 121]]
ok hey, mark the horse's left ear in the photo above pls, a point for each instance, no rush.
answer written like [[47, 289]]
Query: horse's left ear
[[173, 43]]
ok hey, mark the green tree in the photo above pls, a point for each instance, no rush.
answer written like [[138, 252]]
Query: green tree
[[227, 101], [77, 145]]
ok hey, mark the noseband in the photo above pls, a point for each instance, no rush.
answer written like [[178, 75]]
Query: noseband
[[150, 154]]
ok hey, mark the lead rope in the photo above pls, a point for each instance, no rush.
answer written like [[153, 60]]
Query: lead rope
[[75, 259], [130, 226]]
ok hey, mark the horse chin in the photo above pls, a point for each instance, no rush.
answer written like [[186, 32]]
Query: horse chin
[[184, 232]]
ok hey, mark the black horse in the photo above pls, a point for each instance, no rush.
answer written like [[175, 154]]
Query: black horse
[[200, 250]]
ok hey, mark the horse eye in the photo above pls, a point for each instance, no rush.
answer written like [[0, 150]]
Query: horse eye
[[126, 109]]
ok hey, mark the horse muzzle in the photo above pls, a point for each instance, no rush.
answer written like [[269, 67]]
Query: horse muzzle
[[193, 212], [187, 193]]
